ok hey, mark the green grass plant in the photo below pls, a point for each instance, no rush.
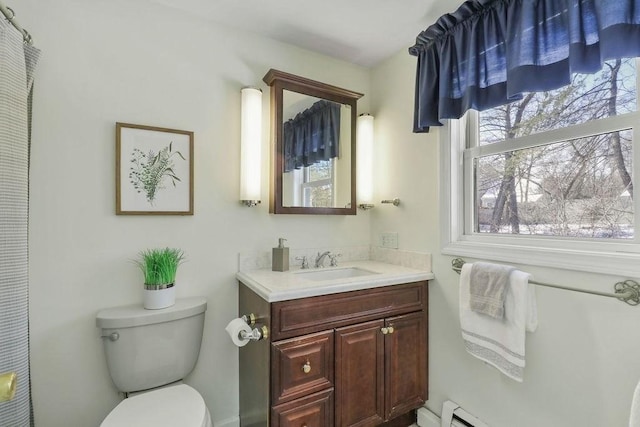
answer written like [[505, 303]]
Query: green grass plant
[[159, 266]]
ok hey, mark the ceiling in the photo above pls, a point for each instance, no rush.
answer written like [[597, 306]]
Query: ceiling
[[363, 32]]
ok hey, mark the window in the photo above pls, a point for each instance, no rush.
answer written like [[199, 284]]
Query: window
[[317, 186], [548, 179], [311, 186]]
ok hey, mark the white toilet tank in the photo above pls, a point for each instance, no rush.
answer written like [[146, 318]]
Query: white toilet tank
[[152, 348]]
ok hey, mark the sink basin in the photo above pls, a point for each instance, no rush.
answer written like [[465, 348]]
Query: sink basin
[[333, 274]]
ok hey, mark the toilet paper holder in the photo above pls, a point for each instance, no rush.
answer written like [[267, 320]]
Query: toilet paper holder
[[250, 319], [242, 330], [256, 334]]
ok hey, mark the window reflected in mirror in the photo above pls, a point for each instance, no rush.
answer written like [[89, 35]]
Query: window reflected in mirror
[[310, 186]]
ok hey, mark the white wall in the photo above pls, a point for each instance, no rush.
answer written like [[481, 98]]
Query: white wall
[[582, 362], [117, 60]]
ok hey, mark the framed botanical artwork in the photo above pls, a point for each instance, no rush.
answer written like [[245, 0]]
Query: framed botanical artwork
[[154, 170]]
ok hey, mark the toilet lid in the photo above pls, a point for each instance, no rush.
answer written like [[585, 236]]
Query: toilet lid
[[173, 406]]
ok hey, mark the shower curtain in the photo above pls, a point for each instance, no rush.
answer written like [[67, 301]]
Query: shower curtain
[[17, 64]]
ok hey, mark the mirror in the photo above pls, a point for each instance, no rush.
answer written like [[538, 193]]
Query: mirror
[[314, 146]]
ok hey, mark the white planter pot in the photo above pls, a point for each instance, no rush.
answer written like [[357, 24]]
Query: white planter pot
[[157, 297]]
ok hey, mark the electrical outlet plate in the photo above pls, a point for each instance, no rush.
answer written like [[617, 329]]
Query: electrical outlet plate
[[390, 240]]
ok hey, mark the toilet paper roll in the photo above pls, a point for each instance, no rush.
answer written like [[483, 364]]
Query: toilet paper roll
[[234, 328]]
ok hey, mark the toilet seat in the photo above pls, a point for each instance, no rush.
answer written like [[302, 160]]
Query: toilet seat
[[178, 405]]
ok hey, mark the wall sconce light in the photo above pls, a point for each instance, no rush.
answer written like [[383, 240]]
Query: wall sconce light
[[251, 146], [365, 161]]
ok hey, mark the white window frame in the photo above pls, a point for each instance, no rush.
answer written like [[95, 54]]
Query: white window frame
[[306, 184], [457, 238]]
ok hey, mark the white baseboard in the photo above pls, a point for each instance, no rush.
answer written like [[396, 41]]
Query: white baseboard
[[426, 418], [230, 422]]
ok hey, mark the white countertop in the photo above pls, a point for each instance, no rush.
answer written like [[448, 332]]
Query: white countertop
[[280, 286]]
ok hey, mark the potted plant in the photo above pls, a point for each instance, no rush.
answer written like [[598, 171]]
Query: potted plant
[[159, 267]]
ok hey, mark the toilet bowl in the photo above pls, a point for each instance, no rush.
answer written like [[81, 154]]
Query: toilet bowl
[[171, 406], [148, 354]]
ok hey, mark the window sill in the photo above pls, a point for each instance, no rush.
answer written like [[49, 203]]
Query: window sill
[[611, 263]]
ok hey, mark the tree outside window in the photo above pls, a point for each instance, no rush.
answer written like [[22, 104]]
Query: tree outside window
[[558, 163]]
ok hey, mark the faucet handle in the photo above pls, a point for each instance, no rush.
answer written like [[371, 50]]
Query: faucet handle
[[334, 259], [305, 263]]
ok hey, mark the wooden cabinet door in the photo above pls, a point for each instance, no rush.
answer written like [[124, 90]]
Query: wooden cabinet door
[[405, 363], [315, 410], [359, 375]]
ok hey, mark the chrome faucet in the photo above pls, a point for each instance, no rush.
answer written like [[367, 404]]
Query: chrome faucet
[[334, 259], [305, 264], [320, 259]]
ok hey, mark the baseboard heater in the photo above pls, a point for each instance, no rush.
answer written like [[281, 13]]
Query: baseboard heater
[[452, 416]]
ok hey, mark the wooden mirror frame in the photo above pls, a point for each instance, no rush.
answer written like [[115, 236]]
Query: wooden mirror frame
[[280, 81]]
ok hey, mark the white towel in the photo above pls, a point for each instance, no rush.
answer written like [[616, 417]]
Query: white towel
[[489, 283], [634, 418], [500, 342]]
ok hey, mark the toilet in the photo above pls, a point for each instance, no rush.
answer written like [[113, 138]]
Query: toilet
[[148, 354]]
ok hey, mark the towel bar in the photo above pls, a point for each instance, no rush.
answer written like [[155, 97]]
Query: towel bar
[[627, 291]]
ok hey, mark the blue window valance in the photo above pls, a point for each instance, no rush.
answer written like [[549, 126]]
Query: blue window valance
[[489, 52], [312, 135]]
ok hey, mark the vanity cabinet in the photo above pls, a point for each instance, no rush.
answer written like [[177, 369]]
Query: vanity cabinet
[[355, 358], [380, 369]]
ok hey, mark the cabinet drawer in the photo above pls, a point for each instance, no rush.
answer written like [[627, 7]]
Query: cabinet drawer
[[313, 314], [311, 411], [301, 366]]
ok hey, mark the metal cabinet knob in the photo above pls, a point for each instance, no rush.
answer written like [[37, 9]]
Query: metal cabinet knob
[[385, 331], [390, 328], [306, 368]]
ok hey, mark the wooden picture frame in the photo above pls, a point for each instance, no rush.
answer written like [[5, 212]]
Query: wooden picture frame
[[154, 170]]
